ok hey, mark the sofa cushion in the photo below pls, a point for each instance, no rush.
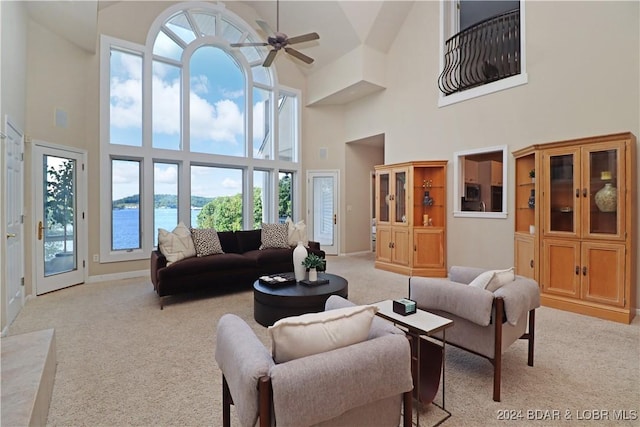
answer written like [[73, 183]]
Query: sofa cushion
[[274, 236], [248, 240], [229, 242], [297, 232], [312, 333], [207, 264], [270, 256], [206, 241], [177, 244]]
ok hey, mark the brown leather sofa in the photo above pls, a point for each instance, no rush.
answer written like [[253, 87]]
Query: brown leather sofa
[[241, 265]]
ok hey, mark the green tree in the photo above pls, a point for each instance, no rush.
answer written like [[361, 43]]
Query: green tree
[[225, 213], [285, 197], [60, 197]]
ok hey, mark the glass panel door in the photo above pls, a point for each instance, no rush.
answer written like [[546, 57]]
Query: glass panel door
[[563, 201], [59, 213], [383, 197], [400, 197], [603, 176], [60, 230]]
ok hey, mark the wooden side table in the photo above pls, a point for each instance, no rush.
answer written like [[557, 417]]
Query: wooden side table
[[417, 325]]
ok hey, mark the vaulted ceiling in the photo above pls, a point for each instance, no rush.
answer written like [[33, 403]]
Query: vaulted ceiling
[[344, 26]]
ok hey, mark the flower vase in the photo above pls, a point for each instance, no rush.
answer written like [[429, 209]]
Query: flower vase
[[299, 254], [313, 275], [607, 198]]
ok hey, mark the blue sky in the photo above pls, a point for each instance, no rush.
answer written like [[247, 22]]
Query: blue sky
[[217, 115]]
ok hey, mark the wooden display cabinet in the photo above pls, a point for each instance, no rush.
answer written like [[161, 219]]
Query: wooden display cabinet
[[411, 218], [526, 214], [585, 213]]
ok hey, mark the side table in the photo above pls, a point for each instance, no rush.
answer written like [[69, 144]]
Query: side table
[[419, 324]]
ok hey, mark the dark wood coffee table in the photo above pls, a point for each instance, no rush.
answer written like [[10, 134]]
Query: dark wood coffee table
[[272, 303]]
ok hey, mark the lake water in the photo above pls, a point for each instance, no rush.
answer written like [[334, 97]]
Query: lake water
[[126, 225]]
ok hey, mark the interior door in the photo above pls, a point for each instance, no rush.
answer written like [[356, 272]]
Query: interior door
[[322, 190], [13, 202], [60, 236]]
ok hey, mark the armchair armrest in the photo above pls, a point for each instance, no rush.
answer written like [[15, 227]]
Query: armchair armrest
[[469, 302], [316, 388], [243, 359], [520, 296]]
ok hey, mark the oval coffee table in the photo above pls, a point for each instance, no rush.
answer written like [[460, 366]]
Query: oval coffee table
[[272, 303]]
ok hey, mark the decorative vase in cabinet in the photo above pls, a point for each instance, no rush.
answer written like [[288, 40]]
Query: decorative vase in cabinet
[[607, 198]]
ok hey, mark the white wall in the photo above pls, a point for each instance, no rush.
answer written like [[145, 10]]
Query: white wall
[[583, 68], [13, 66]]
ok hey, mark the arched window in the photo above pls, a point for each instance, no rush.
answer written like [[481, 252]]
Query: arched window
[[193, 131]]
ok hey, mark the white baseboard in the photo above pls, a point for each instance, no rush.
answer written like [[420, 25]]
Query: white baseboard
[[355, 253], [118, 276]]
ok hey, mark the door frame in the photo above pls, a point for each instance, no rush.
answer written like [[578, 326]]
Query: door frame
[[333, 173], [81, 204]]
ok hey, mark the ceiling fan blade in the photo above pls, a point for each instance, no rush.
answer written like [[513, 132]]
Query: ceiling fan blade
[[303, 38], [270, 57], [248, 44], [266, 28], [301, 56]]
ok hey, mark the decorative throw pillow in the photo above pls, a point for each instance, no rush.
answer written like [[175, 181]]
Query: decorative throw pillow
[[300, 336], [501, 278], [274, 236], [297, 232], [206, 241], [177, 244], [482, 280]]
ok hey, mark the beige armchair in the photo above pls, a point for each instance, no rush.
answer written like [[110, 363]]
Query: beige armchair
[[485, 323], [368, 383]]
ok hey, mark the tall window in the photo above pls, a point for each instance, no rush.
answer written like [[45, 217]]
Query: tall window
[[193, 130]]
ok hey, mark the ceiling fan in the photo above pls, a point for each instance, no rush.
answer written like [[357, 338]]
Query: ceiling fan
[[278, 40]]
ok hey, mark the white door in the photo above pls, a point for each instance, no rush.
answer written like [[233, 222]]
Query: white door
[[59, 200], [322, 205], [13, 202]]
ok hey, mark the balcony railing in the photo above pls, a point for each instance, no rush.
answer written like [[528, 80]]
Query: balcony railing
[[483, 53]]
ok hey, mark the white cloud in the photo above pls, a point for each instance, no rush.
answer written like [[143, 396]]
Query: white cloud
[[200, 84], [232, 184], [221, 122], [165, 174], [126, 103], [166, 106], [232, 94]]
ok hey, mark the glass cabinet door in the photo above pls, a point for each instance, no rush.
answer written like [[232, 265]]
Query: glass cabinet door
[[603, 177], [562, 196], [400, 197], [384, 197]]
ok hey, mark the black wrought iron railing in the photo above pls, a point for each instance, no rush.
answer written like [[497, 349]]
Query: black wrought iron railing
[[483, 53]]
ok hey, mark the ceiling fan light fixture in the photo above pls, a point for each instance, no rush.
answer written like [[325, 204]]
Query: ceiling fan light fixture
[[278, 40]]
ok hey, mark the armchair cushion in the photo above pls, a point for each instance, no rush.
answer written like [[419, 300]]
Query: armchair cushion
[[234, 337], [492, 280], [324, 386], [300, 336], [379, 326]]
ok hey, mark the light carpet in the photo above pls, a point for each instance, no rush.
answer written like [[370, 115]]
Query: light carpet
[[123, 361]]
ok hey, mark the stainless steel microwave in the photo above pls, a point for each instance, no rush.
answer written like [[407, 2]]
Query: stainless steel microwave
[[472, 192]]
